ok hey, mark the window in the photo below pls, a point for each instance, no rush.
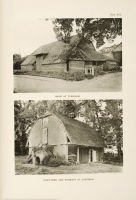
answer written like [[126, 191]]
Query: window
[[68, 141]]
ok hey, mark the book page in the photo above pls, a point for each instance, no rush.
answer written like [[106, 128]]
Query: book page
[[67, 100]]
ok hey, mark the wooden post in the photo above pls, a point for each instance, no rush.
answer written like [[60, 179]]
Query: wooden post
[[92, 71], [77, 154], [89, 159]]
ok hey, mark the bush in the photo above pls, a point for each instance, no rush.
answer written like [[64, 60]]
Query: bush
[[69, 76], [56, 161], [110, 68], [89, 76], [19, 72], [112, 158], [101, 73]]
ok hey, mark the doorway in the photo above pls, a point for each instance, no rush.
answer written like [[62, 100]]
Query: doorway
[[83, 155], [67, 67], [94, 157]]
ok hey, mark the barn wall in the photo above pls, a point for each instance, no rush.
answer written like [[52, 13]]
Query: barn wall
[[59, 67], [50, 127], [76, 66], [56, 131], [118, 57], [39, 61], [35, 138], [110, 65], [62, 151], [27, 67]]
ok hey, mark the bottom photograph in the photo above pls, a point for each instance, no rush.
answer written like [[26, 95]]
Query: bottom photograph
[[68, 136]]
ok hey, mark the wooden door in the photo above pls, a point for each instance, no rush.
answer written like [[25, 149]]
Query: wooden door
[[83, 155]]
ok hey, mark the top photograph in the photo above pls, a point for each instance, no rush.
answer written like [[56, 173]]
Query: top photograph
[[67, 55]]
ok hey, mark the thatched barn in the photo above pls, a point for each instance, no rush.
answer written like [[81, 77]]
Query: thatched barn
[[77, 56], [111, 63], [117, 53], [66, 137], [113, 56]]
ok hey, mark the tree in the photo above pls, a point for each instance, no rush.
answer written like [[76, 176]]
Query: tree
[[115, 118], [89, 28], [105, 116], [68, 108], [16, 61]]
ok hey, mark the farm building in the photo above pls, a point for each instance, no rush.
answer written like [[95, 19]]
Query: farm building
[[113, 56], [117, 53], [67, 138], [111, 63], [77, 56]]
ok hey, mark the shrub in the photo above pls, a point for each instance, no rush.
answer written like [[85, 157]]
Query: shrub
[[112, 158], [19, 72], [69, 76], [56, 161], [101, 73], [89, 76]]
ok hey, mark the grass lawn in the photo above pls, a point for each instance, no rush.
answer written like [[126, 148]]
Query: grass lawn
[[21, 168]]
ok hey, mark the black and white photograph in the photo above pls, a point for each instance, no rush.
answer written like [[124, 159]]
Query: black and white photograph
[[68, 136], [67, 106], [67, 54]]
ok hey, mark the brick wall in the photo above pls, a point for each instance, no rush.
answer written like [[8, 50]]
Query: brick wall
[[60, 67], [76, 66]]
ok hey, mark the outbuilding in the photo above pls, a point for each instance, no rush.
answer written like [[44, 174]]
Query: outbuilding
[[67, 138], [79, 55]]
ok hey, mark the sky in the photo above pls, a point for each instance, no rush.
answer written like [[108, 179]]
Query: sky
[[30, 29]]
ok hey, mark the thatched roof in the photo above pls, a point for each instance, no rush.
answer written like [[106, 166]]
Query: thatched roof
[[118, 48], [59, 51], [89, 53], [108, 50], [109, 57], [78, 132], [81, 133], [30, 60]]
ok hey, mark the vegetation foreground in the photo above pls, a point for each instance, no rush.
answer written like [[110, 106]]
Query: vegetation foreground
[[22, 168]]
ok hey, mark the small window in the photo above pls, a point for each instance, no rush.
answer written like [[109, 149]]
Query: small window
[[68, 141]]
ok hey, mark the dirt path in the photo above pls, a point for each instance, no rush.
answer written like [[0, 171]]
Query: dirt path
[[105, 83]]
